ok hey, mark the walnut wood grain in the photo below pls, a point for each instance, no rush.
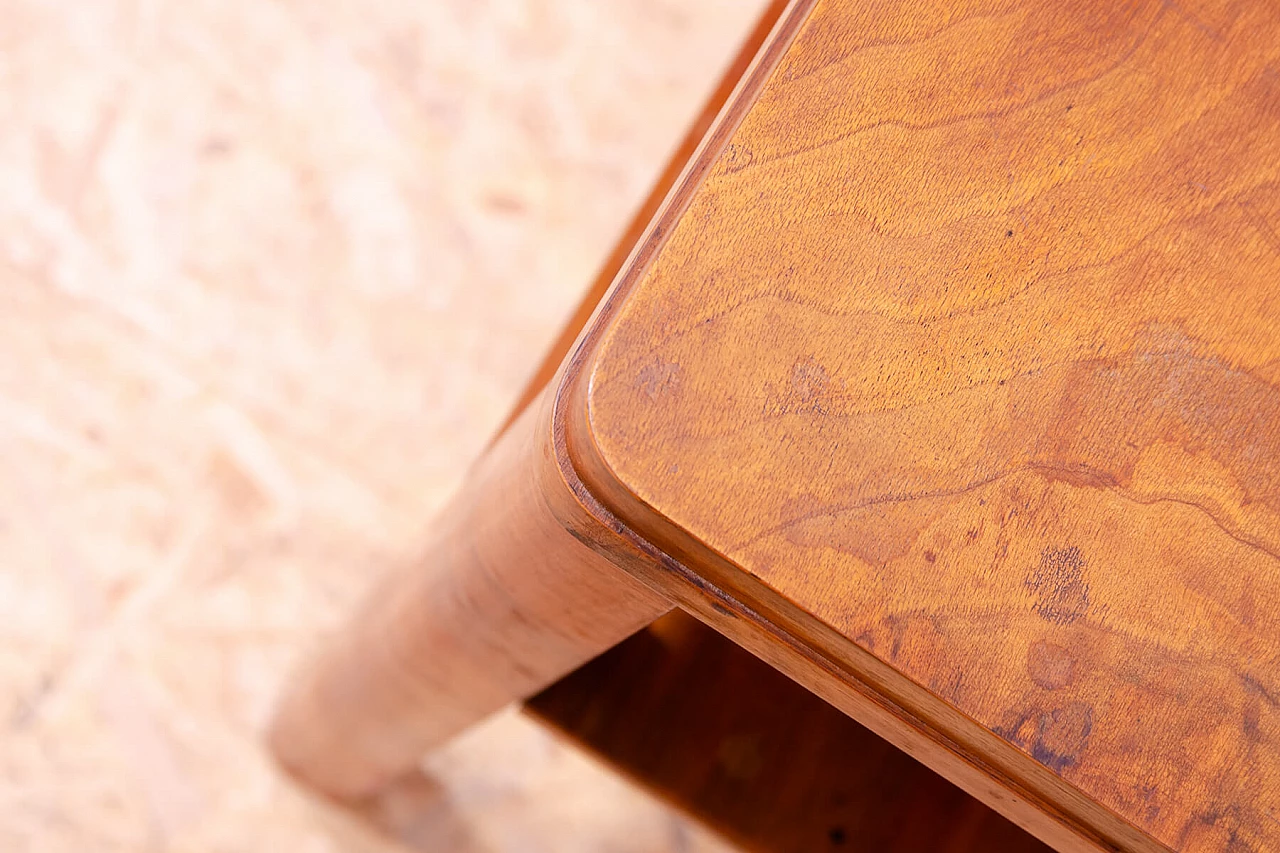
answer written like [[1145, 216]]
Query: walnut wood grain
[[502, 601], [948, 379], [729, 739]]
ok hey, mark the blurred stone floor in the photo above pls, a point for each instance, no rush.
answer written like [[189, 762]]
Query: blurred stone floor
[[270, 274]]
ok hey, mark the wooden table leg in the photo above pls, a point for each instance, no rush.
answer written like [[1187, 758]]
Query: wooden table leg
[[502, 602]]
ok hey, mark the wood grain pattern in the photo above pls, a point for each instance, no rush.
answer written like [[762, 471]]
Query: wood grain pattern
[[773, 768], [502, 602], [956, 360]]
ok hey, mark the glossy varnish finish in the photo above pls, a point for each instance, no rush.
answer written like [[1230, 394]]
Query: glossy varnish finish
[[962, 363]]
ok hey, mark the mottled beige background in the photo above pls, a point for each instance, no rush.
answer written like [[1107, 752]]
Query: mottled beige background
[[270, 275]]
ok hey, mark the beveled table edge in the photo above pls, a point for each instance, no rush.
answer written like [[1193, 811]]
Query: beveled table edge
[[733, 602]]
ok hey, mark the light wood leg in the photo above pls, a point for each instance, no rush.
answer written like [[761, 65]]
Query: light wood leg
[[502, 602]]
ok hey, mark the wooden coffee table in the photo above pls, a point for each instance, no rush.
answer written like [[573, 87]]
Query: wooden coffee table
[[946, 381]]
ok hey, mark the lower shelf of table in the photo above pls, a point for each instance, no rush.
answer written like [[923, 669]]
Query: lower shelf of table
[[731, 741]]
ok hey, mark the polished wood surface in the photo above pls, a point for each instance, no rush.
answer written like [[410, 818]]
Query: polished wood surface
[[726, 737], [951, 374], [502, 601]]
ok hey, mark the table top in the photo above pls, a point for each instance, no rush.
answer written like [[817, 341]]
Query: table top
[[960, 346]]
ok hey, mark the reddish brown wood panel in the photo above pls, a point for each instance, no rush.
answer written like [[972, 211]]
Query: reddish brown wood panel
[[957, 362], [729, 739]]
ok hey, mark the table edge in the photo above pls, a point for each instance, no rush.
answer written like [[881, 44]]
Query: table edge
[[734, 602]]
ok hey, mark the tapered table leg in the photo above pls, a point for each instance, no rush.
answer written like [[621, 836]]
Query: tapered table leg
[[502, 602]]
